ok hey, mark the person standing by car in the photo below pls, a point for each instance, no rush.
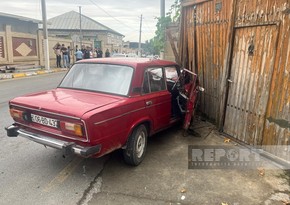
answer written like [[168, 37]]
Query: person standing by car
[[79, 55], [57, 51]]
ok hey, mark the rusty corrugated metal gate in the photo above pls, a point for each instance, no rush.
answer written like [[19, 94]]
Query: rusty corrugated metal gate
[[241, 52], [250, 79]]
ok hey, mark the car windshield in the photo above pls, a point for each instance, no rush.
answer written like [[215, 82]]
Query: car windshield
[[115, 79]]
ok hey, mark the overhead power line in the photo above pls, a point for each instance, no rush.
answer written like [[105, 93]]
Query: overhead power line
[[110, 14]]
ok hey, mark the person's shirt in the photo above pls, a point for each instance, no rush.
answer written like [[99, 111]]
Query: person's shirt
[[64, 51], [57, 51], [79, 54], [69, 51]]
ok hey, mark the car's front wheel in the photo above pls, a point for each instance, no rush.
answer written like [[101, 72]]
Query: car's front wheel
[[136, 146]]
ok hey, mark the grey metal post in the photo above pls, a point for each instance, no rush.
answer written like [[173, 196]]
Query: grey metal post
[[162, 15], [140, 34], [45, 35], [81, 35]]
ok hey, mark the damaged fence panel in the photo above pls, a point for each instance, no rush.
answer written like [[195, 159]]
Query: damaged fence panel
[[241, 51]]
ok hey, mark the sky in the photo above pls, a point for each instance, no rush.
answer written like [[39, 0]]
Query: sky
[[122, 16]]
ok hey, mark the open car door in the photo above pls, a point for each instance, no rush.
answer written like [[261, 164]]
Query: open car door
[[191, 93]]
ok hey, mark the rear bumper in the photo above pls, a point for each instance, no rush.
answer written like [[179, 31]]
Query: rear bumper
[[67, 147]]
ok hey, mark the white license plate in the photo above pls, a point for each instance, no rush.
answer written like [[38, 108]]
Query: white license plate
[[44, 120]]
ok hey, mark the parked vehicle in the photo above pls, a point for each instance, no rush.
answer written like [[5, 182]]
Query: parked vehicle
[[106, 104], [119, 55]]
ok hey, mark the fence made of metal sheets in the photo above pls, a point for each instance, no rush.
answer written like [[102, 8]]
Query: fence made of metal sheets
[[241, 51]]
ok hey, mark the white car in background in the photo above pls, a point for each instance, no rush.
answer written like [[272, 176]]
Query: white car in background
[[119, 55], [153, 56], [132, 55]]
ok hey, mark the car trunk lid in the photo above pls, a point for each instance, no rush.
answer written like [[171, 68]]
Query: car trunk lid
[[74, 103]]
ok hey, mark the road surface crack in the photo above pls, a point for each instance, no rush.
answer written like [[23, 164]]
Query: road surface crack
[[94, 187]]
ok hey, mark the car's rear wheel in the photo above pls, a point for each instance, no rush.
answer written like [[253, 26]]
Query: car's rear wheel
[[136, 146]]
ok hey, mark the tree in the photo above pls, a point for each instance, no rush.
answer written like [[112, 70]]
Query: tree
[[149, 47], [174, 11], [162, 22]]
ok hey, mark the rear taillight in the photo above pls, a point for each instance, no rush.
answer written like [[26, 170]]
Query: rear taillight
[[16, 114], [72, 128]]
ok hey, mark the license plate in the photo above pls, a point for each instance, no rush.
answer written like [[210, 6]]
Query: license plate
[[44, 120]]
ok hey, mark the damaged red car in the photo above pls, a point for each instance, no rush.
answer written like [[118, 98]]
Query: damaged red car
[[106, 104]]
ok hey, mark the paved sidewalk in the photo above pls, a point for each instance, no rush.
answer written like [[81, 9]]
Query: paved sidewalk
[[164, 178], [4, 76]]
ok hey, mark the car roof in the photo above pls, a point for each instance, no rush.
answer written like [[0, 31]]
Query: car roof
[[132, 62]]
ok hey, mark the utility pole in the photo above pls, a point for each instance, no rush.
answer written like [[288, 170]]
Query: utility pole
[[162, 8], [140, 34], [81, 34], [162, 15], [45, 35]]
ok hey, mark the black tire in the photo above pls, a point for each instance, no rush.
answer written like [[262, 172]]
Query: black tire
[[136, 146]]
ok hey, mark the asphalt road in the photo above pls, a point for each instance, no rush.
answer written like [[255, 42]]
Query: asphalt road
[[31, 173]]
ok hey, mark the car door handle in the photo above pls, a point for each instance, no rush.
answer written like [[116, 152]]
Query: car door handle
[[148, 103]]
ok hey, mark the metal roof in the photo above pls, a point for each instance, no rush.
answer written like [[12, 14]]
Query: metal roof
[[20, 18], [71, 21]]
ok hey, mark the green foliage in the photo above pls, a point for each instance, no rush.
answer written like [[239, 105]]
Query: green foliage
[[158, 41], [149, 47], [174, 10]]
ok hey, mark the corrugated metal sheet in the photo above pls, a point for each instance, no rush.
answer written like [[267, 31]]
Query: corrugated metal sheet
[[257, 103], [275, 129], [207, 42], [71, 21], [20, 18], [252, 65]]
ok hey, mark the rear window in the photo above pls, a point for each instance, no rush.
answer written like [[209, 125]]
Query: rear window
[[114, 79]]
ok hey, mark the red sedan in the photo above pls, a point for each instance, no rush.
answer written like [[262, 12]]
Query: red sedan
[[105, 104]]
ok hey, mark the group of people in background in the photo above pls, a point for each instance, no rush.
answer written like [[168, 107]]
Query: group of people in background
[[64, 53]]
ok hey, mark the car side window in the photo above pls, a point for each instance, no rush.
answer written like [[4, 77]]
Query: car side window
[[153, 80], [171, 73]]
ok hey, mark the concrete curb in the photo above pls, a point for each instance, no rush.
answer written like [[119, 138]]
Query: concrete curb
[[18, 75], [4, 76]]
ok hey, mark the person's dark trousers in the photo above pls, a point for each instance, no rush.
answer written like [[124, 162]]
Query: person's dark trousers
[[58, 60]]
